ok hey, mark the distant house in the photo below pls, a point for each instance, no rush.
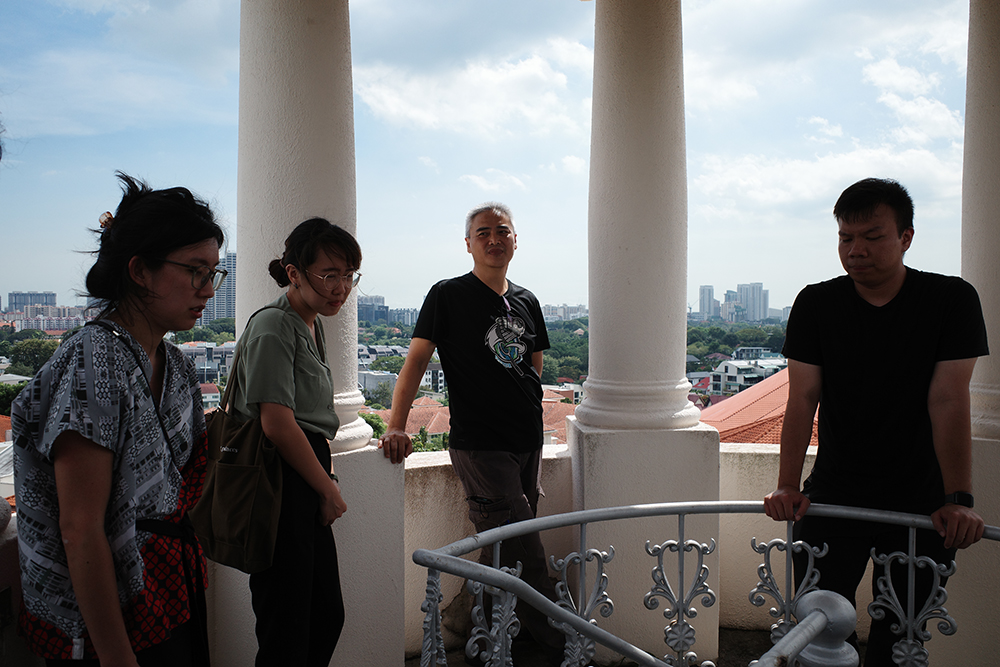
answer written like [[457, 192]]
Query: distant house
[[734, 376], [210, 395]]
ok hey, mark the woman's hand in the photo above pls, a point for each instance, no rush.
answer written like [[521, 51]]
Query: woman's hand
[[332, 505]]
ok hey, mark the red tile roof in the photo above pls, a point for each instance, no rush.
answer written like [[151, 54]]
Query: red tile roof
[[425, 412], [436, 418], [754, 415], [425, 400], [554, 419], [4, 426]]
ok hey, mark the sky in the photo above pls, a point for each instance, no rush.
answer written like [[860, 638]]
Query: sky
[[456, 102]]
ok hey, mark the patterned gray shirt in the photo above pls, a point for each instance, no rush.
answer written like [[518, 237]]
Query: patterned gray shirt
[[92, 386]]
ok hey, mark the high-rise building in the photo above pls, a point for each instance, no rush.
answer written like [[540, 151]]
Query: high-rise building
[[708, 305], [223, 304], [16, 301], [753, 298], [407, 316], [372, 308]]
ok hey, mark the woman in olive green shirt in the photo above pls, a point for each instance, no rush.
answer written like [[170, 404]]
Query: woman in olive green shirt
[[283, 376]]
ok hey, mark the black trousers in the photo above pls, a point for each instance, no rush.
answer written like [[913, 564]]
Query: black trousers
[[842, 569], [178, 651], [297, 601]]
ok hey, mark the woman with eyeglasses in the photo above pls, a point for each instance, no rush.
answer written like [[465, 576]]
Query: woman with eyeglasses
[[110, 450], [282, 375]]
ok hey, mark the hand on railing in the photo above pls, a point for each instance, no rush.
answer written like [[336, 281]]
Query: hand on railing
[[396, 445], [959, 526], [786, 503]]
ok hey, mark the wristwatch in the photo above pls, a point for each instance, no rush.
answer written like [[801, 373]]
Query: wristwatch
[[960, 498]]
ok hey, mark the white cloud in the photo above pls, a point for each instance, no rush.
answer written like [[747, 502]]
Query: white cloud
[[889, 75], [753, 181], [574, 165], [570, 53], [709, 84], [484, 98], [78, 92], [826, 128], [200, 36], [428, 162], [924, 119], [495, 181]]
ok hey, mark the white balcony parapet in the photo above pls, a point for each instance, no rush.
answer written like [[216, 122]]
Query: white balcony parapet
[[816, 638]]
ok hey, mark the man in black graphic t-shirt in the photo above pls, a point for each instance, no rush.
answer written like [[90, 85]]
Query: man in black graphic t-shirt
[[490, 335]]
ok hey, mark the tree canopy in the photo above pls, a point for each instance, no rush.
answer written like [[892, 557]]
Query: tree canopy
[[390, 364]]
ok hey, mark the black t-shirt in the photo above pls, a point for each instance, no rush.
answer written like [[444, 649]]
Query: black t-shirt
[[875, 444], [485, 342]]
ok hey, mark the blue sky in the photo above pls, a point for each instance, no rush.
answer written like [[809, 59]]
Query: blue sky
[[461, 101]]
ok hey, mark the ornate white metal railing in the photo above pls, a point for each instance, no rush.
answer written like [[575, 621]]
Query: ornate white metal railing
[[574, 614]]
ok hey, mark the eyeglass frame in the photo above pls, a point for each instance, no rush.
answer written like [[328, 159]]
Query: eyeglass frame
[[210, 276], [354, 281]]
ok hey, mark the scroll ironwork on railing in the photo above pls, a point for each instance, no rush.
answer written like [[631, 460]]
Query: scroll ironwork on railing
[[682, 589]]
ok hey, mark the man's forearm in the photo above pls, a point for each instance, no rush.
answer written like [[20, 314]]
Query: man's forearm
[[796, 432], [407, 385], [952, 432]]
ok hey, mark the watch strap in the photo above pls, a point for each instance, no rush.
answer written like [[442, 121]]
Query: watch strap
[[960, 498]]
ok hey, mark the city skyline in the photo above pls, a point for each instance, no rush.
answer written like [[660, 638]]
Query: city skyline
[[787, 103]]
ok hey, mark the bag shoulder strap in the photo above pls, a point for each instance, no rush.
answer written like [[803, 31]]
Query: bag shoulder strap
[[224, 404]]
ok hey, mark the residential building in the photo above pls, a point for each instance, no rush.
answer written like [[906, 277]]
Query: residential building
[[708, 305], [734, 376], [49, 323], [210, 395], [372, 308], [553, 313], [211, 361], [18, 301], [407, 316], [753, 297], [434, 378], [369, 381], [223, 304]]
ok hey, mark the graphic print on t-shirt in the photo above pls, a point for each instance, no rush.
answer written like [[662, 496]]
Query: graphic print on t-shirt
[[504, 341]]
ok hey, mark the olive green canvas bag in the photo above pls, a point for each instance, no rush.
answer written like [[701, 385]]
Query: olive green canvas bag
[[236, 519]]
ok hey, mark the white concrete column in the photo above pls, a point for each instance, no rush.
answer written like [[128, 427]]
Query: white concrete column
[[981, 202], [296, 161], [638, 222], [636, 438], [973, 591]]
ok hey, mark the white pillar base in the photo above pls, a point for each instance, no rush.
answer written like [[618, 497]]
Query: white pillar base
[[353, 434], [369, 551], [628, 467], [628, 405]]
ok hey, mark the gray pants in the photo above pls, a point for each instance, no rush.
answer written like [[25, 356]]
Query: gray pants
[[502, 488]]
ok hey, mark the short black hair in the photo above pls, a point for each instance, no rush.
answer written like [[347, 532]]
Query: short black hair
[[148, 224], [306, 240], [859, 201]]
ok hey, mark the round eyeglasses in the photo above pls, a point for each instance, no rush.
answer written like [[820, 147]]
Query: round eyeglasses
[[202, 275], [330, 280]]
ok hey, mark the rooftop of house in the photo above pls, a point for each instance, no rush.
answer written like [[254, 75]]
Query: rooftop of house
[[754, 415]]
